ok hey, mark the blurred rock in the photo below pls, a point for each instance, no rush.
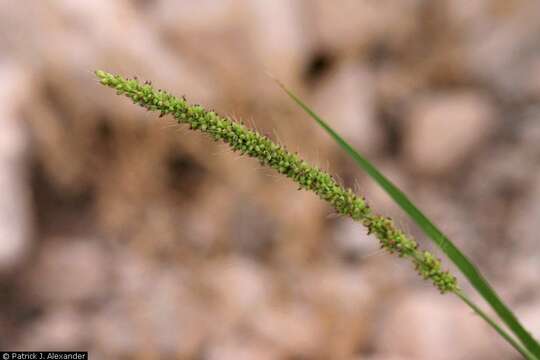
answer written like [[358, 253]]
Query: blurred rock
[[292, 328], [346, 100], [241, 287], [525, 268], [241, 349], [115, 331], [500, 42], [347, 26], [524, 226], [156, 310], [344, 297], [212, 17], [15, 208], [442, 130], [253, 230], [271, 22], [69, 270], [529, 137], [533, 80], [421, 325], [384, 357], [60, 328]]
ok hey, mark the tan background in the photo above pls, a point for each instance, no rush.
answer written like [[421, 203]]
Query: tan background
[[134, 238]]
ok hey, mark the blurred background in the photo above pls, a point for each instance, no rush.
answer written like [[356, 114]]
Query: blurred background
[[131, 237]]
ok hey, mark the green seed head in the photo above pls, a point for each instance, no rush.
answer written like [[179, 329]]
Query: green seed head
[[275, 156]]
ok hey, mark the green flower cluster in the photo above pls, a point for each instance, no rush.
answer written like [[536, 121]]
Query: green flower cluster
[[270, 154]]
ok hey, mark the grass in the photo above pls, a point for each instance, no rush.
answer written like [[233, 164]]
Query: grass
[[307, 177]]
